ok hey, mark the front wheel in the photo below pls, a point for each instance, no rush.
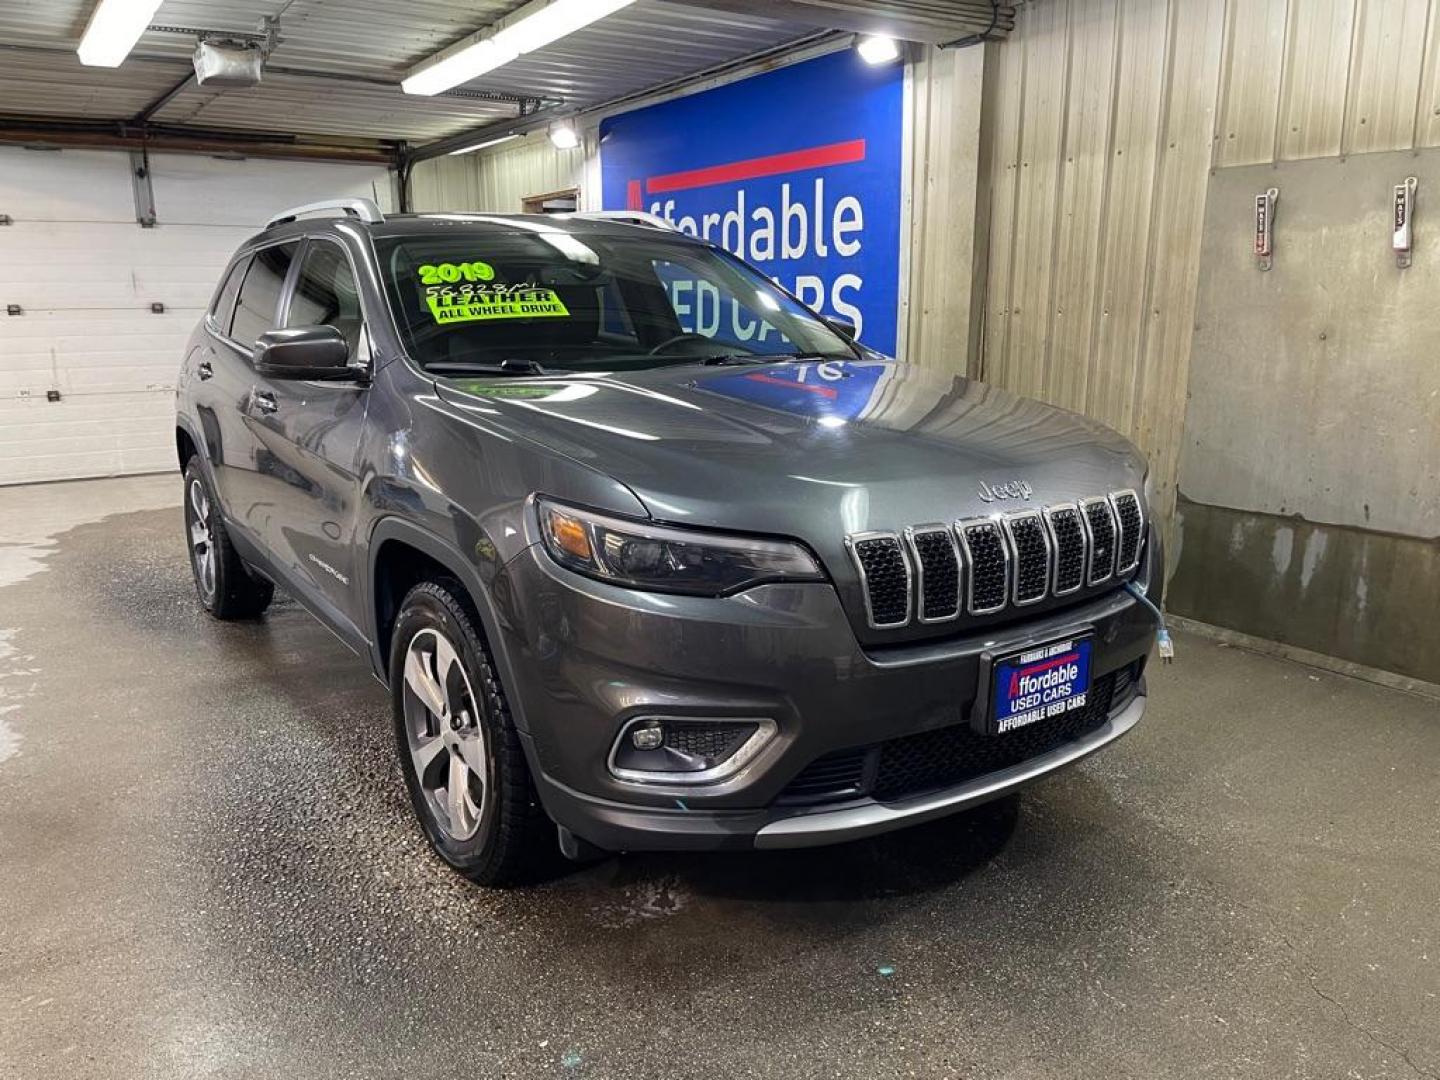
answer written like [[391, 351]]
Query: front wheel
[[459, 750], [226, 588]]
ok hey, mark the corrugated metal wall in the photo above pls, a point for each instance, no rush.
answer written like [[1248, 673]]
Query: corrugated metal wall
[[1101, 149], [497, 181], [943, 235], [1108, 116]]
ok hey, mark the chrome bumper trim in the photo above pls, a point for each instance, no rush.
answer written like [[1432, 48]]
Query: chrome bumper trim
[[853, 823]]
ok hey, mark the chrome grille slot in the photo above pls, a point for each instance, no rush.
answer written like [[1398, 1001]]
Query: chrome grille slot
[[1068, 533], [987, 565], [937, 563], [1030, 545], [885, 577], [1132, 528], [1100, 524]]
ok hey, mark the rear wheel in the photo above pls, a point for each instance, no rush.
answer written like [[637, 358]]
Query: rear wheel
[[459, 750], [227, 590]]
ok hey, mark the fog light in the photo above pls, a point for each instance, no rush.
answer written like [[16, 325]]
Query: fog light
[[687, 749], [650, 736]]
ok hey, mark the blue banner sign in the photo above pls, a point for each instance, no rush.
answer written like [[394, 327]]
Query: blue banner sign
[[797, 171]]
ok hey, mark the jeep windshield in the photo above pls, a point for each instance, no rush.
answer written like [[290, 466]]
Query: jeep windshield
[[529, 299]]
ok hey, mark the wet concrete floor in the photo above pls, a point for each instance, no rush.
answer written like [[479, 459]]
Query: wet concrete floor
[[208, 869]]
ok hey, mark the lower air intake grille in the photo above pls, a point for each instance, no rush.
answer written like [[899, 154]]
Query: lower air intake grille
[[833, 776], [1032, 556], [988, 565], [1069, 549], [1127, 512], [937, 759], [1102, 539], [939, 574], [1127, 684], [887, 579], [916, 764]]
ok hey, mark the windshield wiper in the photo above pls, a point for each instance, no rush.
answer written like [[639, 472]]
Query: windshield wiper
[[513, 365], [731, 358]]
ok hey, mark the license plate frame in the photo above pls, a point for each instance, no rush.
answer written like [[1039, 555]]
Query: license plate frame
[[1006, 707]]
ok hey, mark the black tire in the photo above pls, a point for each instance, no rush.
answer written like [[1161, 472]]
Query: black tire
[[227, 590], [513, 839]]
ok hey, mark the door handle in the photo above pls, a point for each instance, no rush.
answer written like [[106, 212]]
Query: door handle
[[264, 401], [204, 370]]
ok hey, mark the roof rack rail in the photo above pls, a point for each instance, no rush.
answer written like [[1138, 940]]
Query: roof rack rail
[[629, 217], [364, 209]]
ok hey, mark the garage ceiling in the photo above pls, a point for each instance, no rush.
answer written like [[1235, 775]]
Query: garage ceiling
[[334, 74]]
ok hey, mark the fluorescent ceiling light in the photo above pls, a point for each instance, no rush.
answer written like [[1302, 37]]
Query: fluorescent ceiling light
[[483, 145], [564, 136], [878, 50], [532, 27], [114, 28]]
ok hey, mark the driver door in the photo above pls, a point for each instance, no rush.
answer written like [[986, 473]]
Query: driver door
[[308, 436]]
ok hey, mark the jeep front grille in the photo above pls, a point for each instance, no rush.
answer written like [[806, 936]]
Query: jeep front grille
[[985, 565]]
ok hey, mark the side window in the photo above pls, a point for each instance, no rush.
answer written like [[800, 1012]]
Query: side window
[[325, 294], [260, 294], [224, 307]]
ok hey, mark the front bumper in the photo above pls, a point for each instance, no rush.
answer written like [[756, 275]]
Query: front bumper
[[619, 827], [585, 657]]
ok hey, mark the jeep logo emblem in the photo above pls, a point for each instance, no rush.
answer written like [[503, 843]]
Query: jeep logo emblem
[[1015, 489]]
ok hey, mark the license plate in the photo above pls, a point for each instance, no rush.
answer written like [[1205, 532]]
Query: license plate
[[1042, 682]]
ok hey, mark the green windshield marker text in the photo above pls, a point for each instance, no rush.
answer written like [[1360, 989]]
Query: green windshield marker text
[[450, 273], [532, 304]]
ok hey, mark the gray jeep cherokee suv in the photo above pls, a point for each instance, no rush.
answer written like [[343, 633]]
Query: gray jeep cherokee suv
[[643, 548]]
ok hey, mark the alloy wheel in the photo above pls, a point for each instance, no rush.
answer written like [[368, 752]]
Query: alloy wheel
[[202, 543], [446, 740]]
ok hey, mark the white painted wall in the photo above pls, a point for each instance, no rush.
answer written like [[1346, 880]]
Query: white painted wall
[[85, 274]]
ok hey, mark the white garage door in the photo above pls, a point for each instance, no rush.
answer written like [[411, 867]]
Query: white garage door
[[87, 369]]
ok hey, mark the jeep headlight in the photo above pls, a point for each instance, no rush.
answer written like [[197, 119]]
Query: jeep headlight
[[663, 559]]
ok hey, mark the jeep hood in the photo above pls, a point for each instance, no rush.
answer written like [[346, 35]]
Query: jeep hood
[[813, 450]]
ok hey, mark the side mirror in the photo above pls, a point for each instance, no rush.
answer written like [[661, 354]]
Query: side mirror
[[304, 352], [844, 327]]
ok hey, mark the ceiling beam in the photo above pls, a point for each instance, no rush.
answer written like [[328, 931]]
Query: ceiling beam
[[904, 21], [123, 135], [164, 99], [493, 130]]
